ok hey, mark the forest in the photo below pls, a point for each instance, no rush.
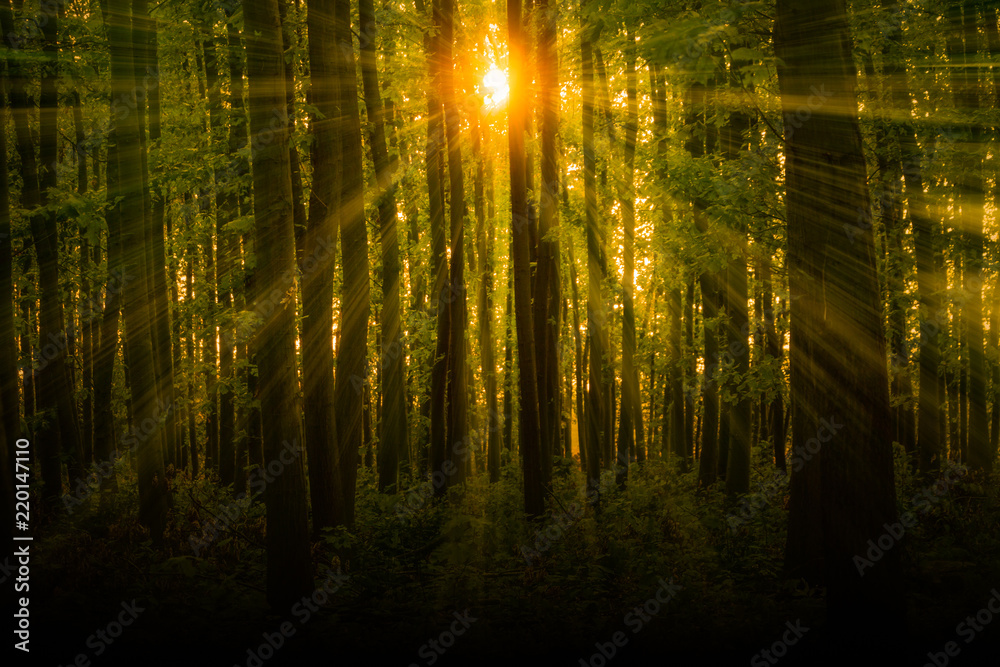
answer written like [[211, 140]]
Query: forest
[[586, 332]]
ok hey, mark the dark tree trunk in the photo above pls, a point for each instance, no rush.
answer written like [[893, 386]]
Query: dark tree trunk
[[546, 286], [596, 307], [147, 80], [154, 494], [843, 494], [631, 403], [484, 248], [970, 194], [317, 283], [225, 211], [774, 350], [440, 299], [709, 459], [458, 428], [737, 296], [289, 570], [352, 352], [531, 444], [392, 425], [10, 400]]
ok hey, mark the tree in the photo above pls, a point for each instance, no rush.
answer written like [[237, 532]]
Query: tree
[[317, 285], [289, 571], [352, 357], [154, 494], [392, 433], [596, 314], [531, 446], [845, 495]]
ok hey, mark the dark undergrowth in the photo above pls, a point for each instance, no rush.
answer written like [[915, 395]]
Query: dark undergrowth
[[669, 566]]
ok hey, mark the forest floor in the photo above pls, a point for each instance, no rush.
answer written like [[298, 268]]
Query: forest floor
[[663, 570]]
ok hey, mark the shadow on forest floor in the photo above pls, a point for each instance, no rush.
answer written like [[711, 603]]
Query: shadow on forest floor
[[661, 573]]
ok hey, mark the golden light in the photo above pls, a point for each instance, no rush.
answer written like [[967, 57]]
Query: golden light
[[495, 82]]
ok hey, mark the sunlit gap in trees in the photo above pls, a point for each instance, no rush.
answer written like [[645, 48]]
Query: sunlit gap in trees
[[495, 81]]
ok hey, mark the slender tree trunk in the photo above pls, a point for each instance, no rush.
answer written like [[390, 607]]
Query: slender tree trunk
[[289, 571], [970, 194], [10, 400], [104, 357], [149, 84], [55, 392], [458, 429], [737, 295], [631, 403], [154, 494], [352, 353], [531, 444], [709, 460], [440, 299], [484, 248], [87, 300], [546, 297], [596, 307], [392, 432], [508, 368], [581, 424], [317, 284], [225, 211], [775, 352]]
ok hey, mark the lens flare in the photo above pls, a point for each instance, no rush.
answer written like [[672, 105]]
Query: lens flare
[[496, 84]]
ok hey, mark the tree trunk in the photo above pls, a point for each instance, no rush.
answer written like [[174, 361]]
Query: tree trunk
[[596, 307], [546, 297], [352, 353], [10, 400], [317, 283], [709, 279], [843, 493], [531, 444], [154, 494], [149, 84], [970, 195], [631, 403], [392, 431], [289, 570], [458, 429], [774, 350]]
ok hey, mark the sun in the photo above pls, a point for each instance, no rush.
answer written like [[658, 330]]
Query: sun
[[496, 84]]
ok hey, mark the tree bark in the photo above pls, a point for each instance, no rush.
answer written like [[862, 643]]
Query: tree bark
[[596, 307], [154, 494], [317, 283], [289, 570], [352, 353], [843, 494], [531, 445]]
